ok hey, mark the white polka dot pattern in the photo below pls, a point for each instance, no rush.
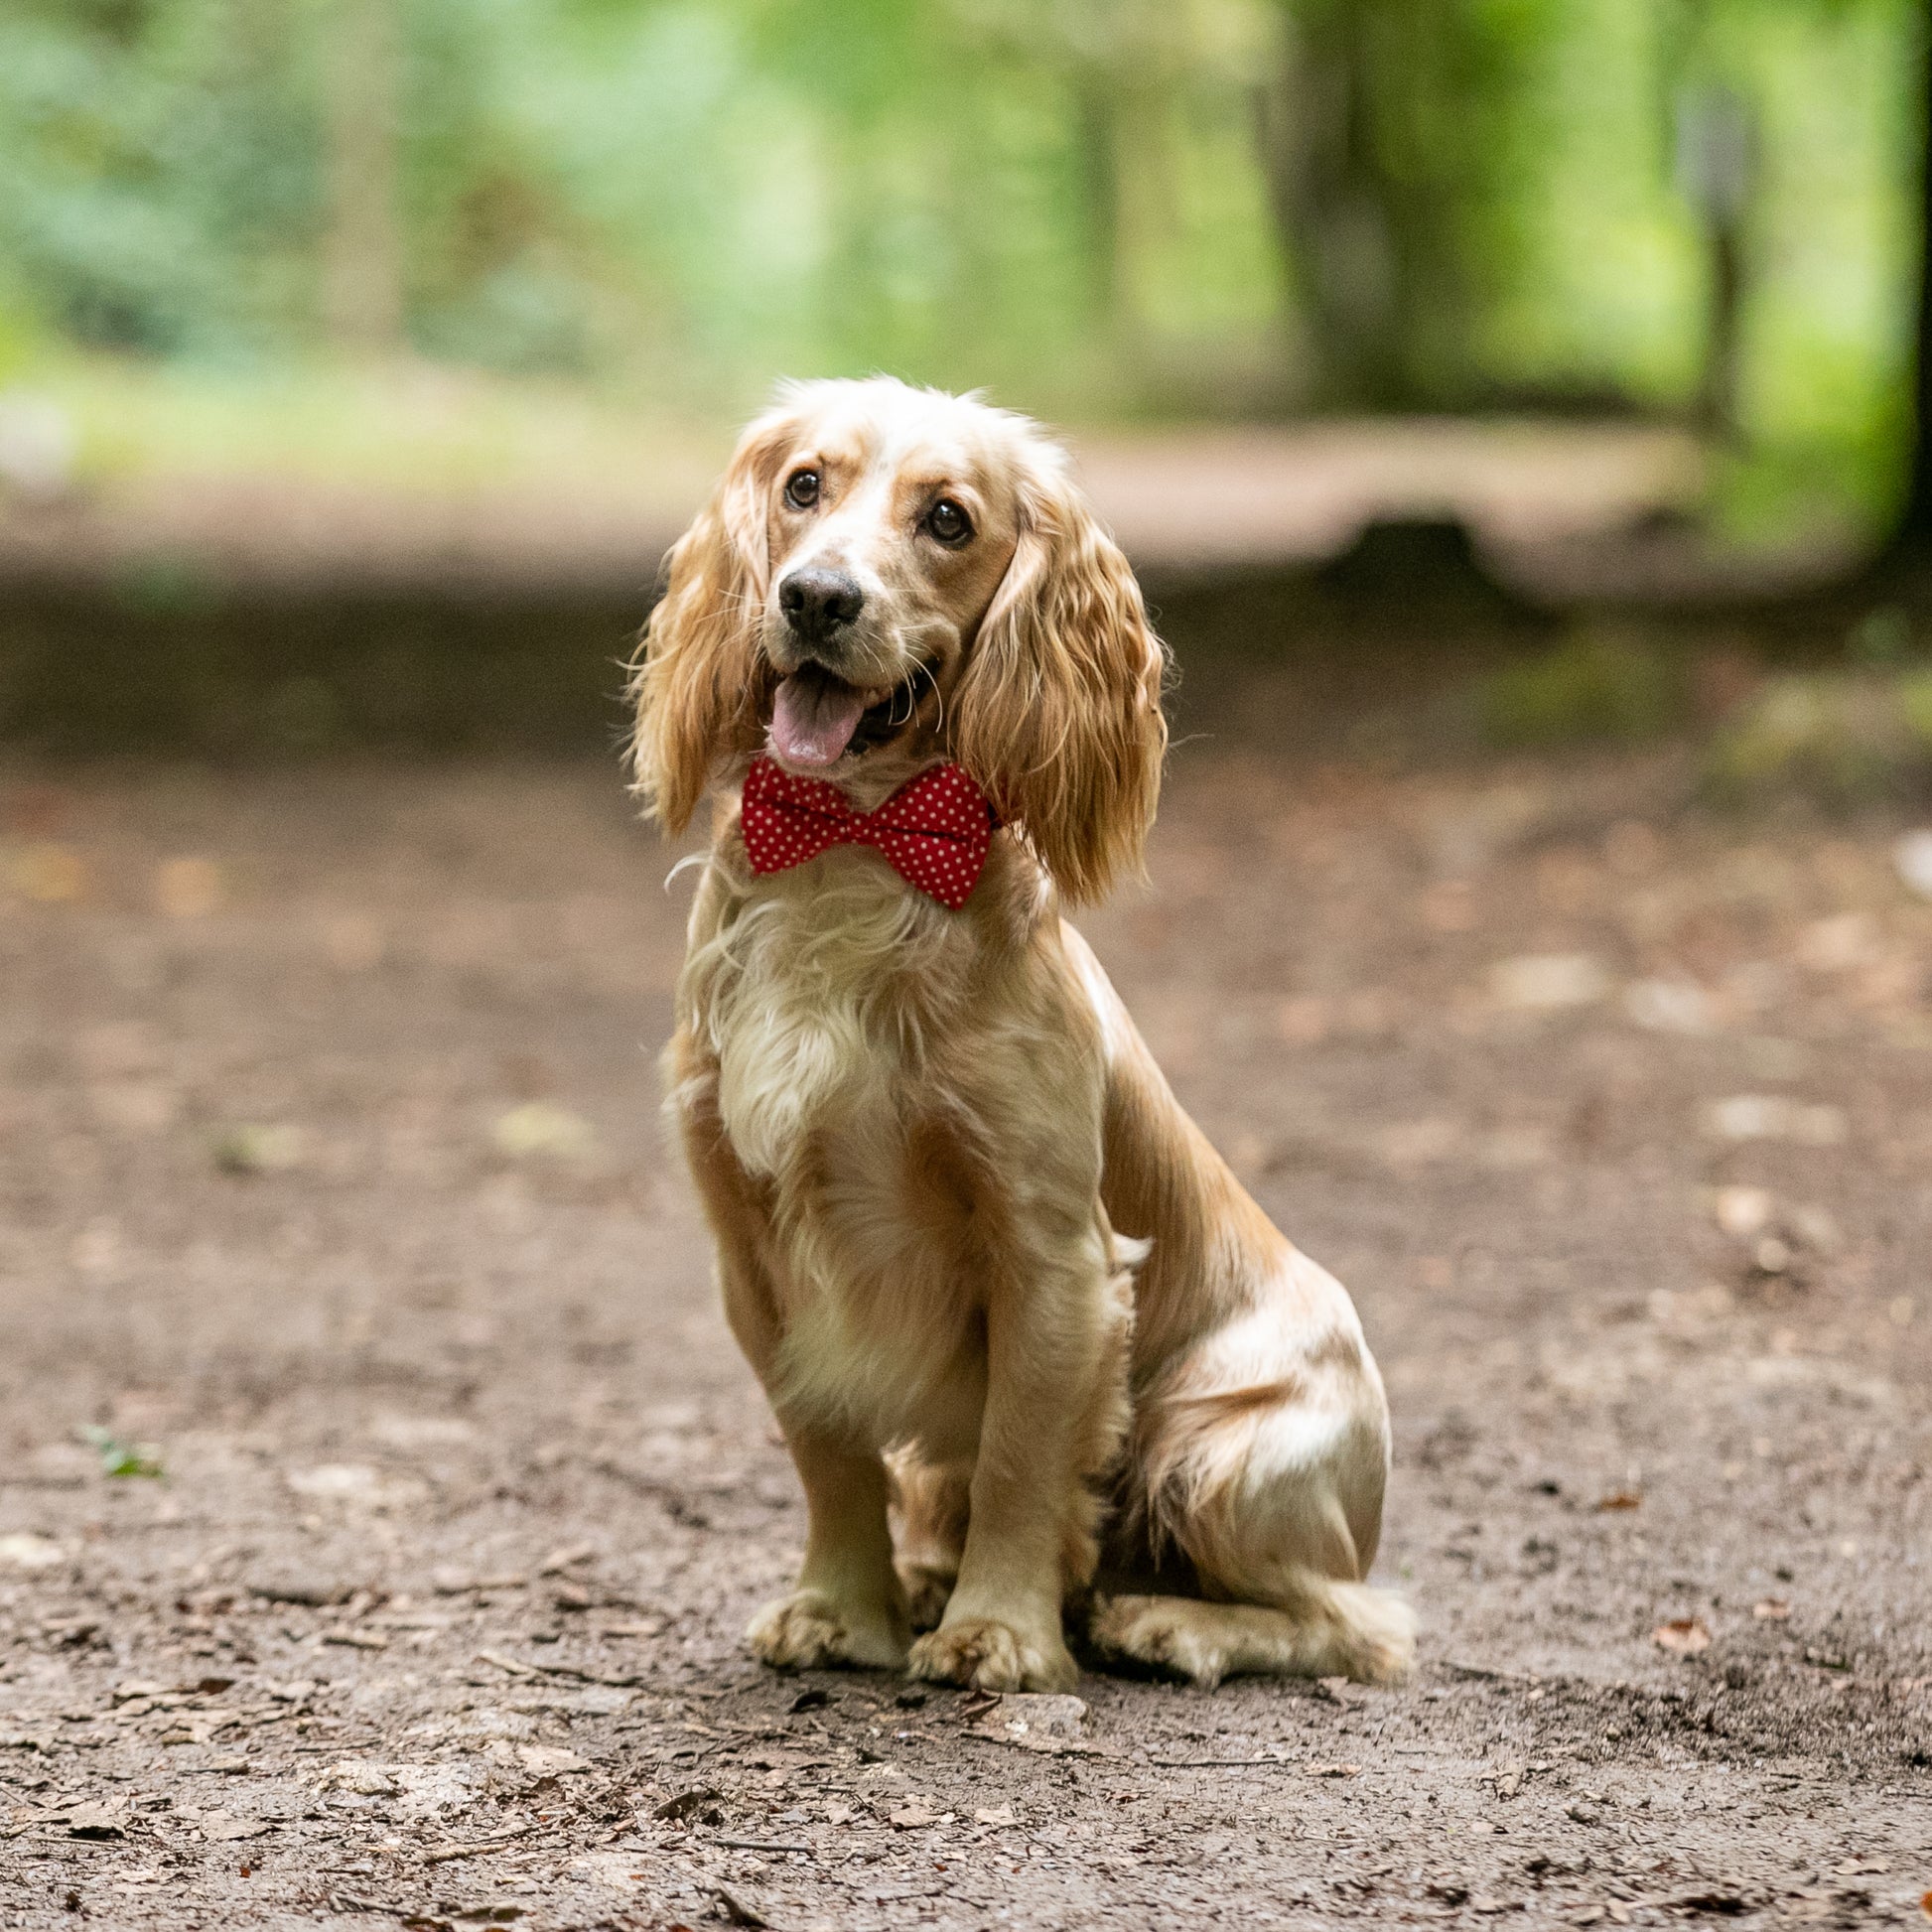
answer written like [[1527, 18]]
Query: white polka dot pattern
[[935, 830]]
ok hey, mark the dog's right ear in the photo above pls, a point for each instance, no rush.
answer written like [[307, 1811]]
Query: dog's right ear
[[697, 672]]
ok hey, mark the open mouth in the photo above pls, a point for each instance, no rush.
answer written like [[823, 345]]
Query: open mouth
[[818, 718]]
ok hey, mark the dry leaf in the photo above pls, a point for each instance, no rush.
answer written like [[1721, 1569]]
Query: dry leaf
[[1334, 1770], [1683, 1636], [1771, 1610], [1621, 1499], [998, 1816], [913, 1816], [220, 1828], [542, 1131], [356, 1639], [686, 1802]]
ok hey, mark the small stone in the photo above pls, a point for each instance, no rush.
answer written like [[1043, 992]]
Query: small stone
[[1912, 855], [1547, 982], [23, 1550]]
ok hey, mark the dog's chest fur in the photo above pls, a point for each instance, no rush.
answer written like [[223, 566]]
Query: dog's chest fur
[[826, 997]]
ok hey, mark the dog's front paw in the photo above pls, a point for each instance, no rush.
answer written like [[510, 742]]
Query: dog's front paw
[[811, 1631], [992, 1656]]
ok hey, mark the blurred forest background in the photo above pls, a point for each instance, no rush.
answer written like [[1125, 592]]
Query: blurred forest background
[[254, 220]]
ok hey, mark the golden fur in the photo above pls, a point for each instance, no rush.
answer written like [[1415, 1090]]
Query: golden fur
[[995, 1281]]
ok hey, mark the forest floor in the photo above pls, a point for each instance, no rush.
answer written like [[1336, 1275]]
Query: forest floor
[[332, 1189]]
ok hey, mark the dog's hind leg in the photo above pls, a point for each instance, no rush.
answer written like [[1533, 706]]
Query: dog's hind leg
[[1335, 1629], [1261, 1457], [933, 1502]]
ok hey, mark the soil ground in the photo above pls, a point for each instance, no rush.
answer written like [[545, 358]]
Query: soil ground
[[331, 1183]]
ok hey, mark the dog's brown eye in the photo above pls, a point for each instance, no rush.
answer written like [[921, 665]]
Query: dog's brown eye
[[948, 522], [801, 490]]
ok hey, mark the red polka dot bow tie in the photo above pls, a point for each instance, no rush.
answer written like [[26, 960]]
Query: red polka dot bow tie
[[935, 830]]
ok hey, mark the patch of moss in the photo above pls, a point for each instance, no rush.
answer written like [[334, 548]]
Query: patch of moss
[[1596, 686]]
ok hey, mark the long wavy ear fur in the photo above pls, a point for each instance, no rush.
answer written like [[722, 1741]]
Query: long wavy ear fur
[[1058, 712], [695, 676]]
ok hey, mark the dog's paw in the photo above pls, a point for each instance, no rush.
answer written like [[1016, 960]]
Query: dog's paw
[[1381, 1636], [1168, 1635], [809, 1630], [927, 1593], [988, 1655]]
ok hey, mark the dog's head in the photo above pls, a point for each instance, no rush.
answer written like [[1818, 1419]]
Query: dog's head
[[889, 576]]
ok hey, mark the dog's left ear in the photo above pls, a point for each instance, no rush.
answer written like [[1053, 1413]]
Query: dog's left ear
[[1058, 712]]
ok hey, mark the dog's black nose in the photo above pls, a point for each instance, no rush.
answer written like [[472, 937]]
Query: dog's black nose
[[817, 601]]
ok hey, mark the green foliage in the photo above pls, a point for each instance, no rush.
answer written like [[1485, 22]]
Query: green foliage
[[1074, 201], [1595, 687], [1841, 739], [119, 1459]]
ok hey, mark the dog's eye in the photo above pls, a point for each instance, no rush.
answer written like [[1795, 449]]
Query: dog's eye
[[801, 490], [948, 522]]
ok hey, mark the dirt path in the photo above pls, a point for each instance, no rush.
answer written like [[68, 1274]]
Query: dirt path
[[592, 526], [328, 1168]]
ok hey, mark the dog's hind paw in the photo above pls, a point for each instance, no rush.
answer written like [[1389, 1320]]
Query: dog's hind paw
[[809, 1630], [927, 1593], [1171, 1635], [990, 1655]]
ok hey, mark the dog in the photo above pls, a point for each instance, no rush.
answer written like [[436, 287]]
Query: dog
[[997, 1287]]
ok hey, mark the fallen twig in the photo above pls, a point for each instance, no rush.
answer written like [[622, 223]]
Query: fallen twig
[[735, 1911], [1227, 1763], [516, 1667], [501, 1843]]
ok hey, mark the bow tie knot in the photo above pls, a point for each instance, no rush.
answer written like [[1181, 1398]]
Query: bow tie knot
[[934, 831]]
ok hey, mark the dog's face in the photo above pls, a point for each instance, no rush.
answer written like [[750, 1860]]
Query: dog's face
[[891, 518], [886, 577]]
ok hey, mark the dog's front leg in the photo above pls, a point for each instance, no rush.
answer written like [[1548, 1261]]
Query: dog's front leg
[[847, 1606], [1055, 1348]]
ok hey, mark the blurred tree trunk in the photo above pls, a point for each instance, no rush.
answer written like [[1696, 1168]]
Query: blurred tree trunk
[[362, 293], [1912, 535], [1717, 173], [1332, 207]]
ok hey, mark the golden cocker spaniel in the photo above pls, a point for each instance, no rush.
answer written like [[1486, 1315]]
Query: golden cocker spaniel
[[997, 1285]]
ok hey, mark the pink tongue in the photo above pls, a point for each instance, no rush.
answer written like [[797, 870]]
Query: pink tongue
[[812, 721]]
